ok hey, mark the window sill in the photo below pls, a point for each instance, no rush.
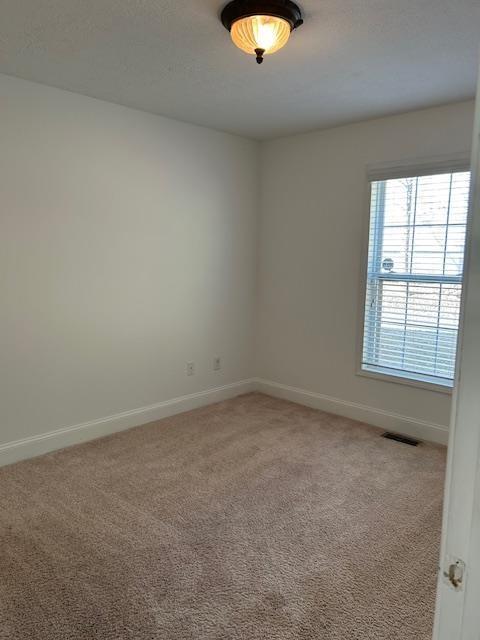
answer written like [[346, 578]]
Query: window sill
[[419, 383]]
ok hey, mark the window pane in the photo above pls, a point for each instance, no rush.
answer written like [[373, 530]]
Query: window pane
[[459, 198], [427, 262], [450, 307], [423, 304], [399, 200], [433, 195]]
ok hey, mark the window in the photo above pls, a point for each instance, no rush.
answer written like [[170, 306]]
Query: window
[[414, 276]]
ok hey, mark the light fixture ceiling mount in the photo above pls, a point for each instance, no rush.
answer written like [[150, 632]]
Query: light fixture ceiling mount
[[261, 27]]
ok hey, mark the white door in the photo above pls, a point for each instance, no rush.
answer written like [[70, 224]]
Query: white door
[[458, 602]]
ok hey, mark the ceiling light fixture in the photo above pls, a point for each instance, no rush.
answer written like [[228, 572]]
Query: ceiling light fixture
[[260, 27]]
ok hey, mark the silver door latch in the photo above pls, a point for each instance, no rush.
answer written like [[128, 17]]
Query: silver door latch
[[455, 574]]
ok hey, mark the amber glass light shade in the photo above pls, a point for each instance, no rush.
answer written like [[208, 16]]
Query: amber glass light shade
[[267, 33]]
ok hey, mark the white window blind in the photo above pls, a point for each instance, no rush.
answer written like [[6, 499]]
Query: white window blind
[[414, 278]]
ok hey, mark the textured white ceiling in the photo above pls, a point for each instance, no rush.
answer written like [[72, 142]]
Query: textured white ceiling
[[353, 59]]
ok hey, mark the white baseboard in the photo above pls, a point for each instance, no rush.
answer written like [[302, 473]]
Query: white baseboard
[[60, 438], [387, 420], [46, 442]]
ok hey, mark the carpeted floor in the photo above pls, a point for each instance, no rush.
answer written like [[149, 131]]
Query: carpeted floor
[[251, 519]]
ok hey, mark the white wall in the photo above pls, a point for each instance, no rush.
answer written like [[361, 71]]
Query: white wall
[[312, 216], [127, 248]]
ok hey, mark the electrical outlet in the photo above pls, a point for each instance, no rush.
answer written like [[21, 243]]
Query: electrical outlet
[[190, 368], [217, 363]]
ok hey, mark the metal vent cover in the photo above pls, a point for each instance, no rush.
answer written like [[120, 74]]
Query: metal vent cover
[[399, 438]]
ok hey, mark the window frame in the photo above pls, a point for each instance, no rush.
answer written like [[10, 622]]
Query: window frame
[[387, 171]]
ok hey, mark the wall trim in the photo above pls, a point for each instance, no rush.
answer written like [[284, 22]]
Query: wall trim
[[378, 417], [17, 450], [11, 452]]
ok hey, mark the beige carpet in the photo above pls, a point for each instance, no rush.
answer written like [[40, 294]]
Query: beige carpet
[[250, 519]]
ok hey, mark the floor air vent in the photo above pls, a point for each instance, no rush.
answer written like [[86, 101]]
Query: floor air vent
[[395, 436]]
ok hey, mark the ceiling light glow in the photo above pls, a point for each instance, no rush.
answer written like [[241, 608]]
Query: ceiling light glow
[[259, 27]]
